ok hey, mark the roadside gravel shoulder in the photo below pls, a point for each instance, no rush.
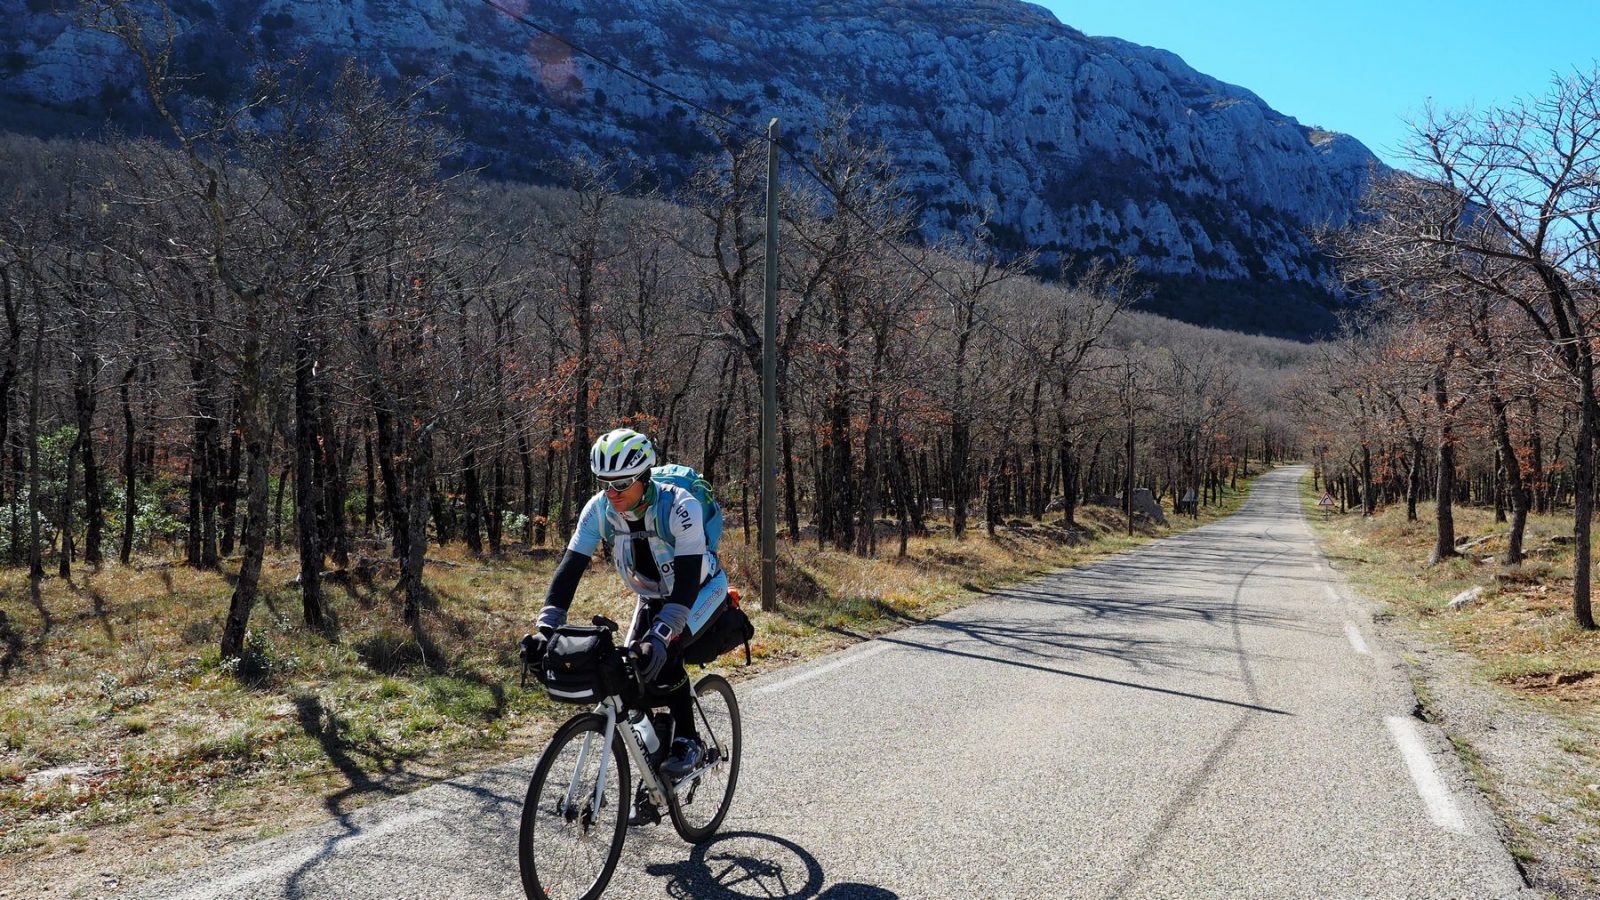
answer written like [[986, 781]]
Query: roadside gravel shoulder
[[1496, 663], [1526, 756]]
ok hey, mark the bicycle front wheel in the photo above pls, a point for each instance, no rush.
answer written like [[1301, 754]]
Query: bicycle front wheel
[[699, 803], [572, 833]]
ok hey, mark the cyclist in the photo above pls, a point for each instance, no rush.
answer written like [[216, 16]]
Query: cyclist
[[676, 575]]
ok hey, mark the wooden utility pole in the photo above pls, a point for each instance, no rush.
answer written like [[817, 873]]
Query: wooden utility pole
[[1127, 394], [769, 388]]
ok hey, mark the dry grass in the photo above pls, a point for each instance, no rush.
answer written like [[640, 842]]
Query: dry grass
[[127, 746], [1521, 627]]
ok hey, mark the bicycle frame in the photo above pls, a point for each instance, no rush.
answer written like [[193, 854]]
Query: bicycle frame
[[612, 708], [609, 708]]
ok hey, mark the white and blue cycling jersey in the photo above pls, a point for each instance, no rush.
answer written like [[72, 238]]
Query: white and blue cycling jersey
[[626, 538]]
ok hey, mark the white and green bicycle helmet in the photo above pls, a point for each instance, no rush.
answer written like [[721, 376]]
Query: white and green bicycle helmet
[[621, 452]]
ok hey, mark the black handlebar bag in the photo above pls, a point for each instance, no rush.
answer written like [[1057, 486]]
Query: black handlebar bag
[[582, 665]]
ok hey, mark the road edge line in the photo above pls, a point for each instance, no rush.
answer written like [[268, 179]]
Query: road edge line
[[875, 648], [1442, 807]]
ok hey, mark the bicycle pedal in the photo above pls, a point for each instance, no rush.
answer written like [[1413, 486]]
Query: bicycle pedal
[[644, 813]]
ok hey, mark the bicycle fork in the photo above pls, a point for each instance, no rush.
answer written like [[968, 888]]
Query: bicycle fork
[[636, 755]]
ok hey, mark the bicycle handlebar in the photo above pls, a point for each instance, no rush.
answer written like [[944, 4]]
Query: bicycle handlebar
[[629, 655]]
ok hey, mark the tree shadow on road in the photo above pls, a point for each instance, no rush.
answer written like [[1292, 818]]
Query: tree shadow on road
[[391, 776], [989, 658], [748, 864], [1149, 608]]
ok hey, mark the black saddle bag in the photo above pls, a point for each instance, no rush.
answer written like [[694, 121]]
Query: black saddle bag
[[582, 665], [723, 634]]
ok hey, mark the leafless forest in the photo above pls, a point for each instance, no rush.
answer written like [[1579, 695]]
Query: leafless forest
[[296, 326], [1470, 375]]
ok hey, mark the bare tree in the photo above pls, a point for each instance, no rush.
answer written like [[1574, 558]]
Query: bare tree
[[1505, 205]]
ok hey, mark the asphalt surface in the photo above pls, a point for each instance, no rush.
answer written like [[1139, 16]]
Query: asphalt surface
[[1195, 718]]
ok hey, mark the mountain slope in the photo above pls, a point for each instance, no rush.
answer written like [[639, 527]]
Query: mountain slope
[[1080, 146]]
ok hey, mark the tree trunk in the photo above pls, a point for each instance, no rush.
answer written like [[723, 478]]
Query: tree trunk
[[199, 459], [525, 459], [1413, 480], [332, 487], [254, 539], [394, 499], [791, 490], [35, 552], [1497, 488], [493, 523], [372, 488], [284, 480], [258, 449], [841, 463], [130, 503], [911, 504], [419, 466], [208, 507], [546, 486], [1127, 497], [230, 486], [715, 436], [64, 559], [1036, 462], [744, 485], [11, 304], [1583, 491], [1369, 500], [960, 451], [578, 474], [1541, 495], [1445, 543], [307, 499], [472, 524], [871, 454]]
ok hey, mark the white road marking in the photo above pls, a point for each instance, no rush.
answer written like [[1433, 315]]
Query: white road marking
[[1332, 594], [1356, 641], [824, 669], [287, 864], [1435, 796]]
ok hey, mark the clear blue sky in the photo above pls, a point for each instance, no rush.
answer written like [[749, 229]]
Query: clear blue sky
[[1360, 66]]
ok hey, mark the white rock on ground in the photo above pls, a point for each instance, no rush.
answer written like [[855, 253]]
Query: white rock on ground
[[1466, 596]]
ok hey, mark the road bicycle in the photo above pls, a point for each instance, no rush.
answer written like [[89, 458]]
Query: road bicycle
[[576, 814]]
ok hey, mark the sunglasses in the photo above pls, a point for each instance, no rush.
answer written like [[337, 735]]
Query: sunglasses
[[617, 485]]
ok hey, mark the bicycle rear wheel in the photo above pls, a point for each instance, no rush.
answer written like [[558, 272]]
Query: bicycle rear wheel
[[568, 844], [700, 802]]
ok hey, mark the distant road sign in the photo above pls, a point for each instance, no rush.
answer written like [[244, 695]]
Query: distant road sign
[[1326, 500]]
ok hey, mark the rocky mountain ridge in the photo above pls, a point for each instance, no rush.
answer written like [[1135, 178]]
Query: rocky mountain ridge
[[1080, 146]]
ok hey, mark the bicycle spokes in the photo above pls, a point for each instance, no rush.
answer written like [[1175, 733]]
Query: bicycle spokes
[[573, 821]]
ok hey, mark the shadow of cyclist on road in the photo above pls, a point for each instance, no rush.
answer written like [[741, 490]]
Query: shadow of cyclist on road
[[747, 864]]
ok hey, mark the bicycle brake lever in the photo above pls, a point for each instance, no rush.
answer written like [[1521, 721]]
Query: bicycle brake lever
[[630, 656]]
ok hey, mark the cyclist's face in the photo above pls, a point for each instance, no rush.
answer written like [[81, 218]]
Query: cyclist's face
[[624, 500]]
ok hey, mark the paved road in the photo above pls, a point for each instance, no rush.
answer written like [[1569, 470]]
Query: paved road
[[1207, 716]]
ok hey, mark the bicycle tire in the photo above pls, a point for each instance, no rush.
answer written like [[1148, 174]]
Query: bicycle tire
[[547, 884], [718, 703]]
